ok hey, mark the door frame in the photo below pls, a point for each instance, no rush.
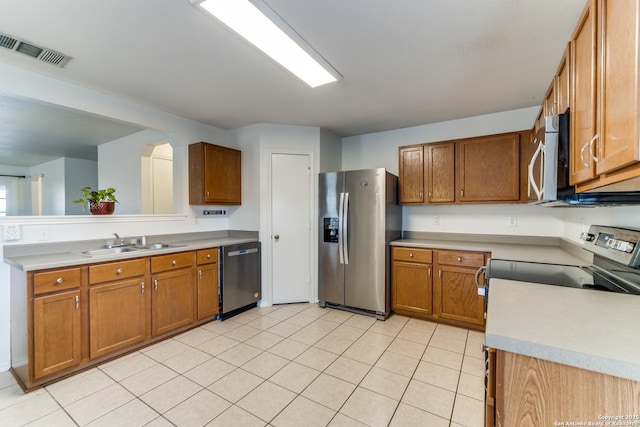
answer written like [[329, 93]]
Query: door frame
[[266, 232]]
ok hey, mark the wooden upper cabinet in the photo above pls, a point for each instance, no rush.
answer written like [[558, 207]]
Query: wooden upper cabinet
[[583, 133], [563, 82], [214, 175], [488, 168], [411, 180], [550, 105], [619, 24], [439, 172]]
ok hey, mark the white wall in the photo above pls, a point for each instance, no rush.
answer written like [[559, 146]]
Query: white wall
[[53, 190], [78, 173]]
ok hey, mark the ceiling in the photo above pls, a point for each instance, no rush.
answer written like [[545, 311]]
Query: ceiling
[[404, 62]]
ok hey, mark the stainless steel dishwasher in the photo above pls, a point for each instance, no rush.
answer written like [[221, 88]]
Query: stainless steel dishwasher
[[240, 287]]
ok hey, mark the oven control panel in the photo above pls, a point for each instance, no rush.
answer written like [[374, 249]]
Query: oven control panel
[[617, 244]]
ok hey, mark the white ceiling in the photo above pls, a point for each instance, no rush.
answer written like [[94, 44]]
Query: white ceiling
[[404, 62]]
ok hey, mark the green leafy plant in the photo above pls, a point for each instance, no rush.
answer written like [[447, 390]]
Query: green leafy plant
[[96, 196]]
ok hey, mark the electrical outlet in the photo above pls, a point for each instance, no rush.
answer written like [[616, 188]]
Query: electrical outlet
[[512, 221], [43, 232], [436, 220], [11, 232]]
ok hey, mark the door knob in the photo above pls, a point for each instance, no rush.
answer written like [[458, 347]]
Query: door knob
[[277, 237]]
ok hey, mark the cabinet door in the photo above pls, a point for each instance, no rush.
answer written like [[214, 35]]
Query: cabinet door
[[56, 333], [456, 295], [440, 172], [489, 168], [563, 82], [412, 289], [550, 106], [207, 290], [173, 301], [618, 77], [222, 175], [411, 180], [117, 316], [583, 135]]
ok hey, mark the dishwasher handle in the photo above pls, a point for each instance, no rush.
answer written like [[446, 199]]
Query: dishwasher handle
[[243, 252]]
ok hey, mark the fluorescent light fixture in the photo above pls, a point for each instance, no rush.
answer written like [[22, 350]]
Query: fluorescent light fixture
[[252, 23]]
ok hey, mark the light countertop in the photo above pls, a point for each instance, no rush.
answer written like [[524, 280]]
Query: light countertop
[[587, 329], [70, 253]]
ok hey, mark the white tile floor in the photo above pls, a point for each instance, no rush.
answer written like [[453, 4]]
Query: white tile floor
[[290, 365]]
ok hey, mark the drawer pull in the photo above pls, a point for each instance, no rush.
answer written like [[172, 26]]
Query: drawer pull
[[59, 280], [173, 262], [459, 259], [119, 271], [410, 254], [208, 256]]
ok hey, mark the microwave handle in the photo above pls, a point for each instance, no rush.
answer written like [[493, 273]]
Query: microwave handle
[[532, 180]]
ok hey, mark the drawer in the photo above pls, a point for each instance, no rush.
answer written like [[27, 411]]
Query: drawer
[[116, 271], [58, 280], [207, 256], [172, 261], [465, 259], [412, 254]]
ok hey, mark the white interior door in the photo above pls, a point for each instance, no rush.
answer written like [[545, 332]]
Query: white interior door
[[291, 227]]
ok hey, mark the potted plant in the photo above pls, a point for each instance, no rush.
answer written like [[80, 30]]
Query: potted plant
[[101, 202]]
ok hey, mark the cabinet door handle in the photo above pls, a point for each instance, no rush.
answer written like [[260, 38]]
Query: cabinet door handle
[[77, 302], [430, 195], [439, 274], [119, 271], [429, 272], [461, 193], [155, 285], [59, 280], [420, 195], [200, 274], [142, 287]]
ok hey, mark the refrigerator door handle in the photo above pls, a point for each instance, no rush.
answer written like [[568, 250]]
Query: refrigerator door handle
[[340, 222], [345, 229]]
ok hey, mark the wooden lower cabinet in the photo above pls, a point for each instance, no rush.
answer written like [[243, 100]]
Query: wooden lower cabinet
[[208, 296], [411, 281], [118, 316], [535, 392], [172, 301], [444, 291], [56, 333], [455, 294]]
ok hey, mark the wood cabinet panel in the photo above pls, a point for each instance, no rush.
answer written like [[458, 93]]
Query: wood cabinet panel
[[215, 175], [56, 280], [488, 168], [563, 81], [461, 258], [207, 291], [411, 188], [412, 254], [456, 295], [535, 392], [172, 261], [618, 145], [583, 101], [412, 289], [57, 333], [207, 256], [173, 300], [116, 270], [550, 103], [118, 316], [439, 172]]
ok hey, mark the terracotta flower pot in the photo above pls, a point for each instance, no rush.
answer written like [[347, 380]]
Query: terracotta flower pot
[[102, 208]]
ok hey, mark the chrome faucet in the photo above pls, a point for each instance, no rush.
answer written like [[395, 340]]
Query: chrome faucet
[[119, 241]]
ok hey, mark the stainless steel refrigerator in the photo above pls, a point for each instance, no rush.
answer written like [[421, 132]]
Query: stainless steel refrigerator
[[358, 217]]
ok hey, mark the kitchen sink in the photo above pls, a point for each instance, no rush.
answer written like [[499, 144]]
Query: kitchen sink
[[158, 246], [109, 251]]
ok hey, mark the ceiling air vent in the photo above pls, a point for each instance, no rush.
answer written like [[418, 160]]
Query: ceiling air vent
[[41, 53]]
